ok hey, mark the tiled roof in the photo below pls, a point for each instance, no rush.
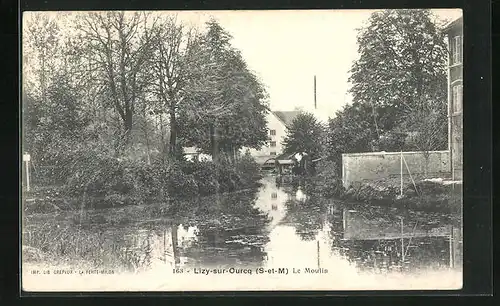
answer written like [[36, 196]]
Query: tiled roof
[[286, 116]]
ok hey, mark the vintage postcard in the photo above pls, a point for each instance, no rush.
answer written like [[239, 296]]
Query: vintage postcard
[[242, 150]]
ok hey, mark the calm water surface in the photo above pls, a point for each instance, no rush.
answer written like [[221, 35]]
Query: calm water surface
[[271, 227]]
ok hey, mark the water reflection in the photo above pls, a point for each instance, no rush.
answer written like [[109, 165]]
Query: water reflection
[[275, 226]]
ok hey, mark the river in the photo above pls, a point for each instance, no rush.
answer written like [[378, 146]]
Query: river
[[325, 244]]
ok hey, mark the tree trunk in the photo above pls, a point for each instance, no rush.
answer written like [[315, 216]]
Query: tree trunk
[[215, 143], [128, 128], [173, 133], [148, 149]]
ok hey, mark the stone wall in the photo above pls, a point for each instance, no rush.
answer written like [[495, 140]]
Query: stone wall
[[358, 167]]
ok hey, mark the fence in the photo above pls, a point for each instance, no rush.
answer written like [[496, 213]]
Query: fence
[[357, 167]]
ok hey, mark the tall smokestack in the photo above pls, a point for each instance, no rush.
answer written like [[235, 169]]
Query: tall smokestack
[[314, 92]]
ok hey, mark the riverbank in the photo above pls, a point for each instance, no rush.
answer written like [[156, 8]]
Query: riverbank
[[106, 182], [433, 195]]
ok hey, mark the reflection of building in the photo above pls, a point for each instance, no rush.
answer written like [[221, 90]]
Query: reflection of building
[[385, 241], [359, 227], [277, 122], [454, 32], [271, 200]]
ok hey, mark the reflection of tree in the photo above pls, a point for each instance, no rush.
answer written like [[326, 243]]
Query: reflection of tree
[[306, 216], [335, 219], [175, 247], [232, 232]]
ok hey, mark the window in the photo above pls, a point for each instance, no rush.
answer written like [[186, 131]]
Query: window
[[272, 132], [456, 50], [273, 144], [457, 99], [274, 195], [273, 153]]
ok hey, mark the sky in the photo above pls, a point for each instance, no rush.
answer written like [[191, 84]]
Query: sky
[[286, 49]]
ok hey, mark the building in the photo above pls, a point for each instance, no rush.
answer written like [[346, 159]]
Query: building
[[454, 33], [193, 153], [277, 122]]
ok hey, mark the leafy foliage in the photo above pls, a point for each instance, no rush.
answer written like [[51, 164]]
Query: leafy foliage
[[305, 134], [402, 61], [123, 78], [329, 181], [398, 88], [227, 101]]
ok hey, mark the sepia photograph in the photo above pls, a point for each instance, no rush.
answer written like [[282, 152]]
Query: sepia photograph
[[250, 150]]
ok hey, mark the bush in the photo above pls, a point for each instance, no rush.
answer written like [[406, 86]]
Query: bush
[[329, 182], [227, 177], [106, 180], [109, 181], [248, 170], [176, 182], [204, 173]]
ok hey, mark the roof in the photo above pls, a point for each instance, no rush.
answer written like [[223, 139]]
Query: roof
[[267, 159], [286, 116], [453, 23], [284, 156], [190, 150]]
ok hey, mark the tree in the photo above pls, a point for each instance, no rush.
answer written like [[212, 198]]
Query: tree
[[175, 49], [227, 104], [54, 111], [114, 48], [41, 53], [429, 131], [350, 131], [305, 134], [401, 69]]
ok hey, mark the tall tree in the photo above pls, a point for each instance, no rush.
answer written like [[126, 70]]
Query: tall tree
[[351, 130], [174, 51], [227, 103], [41, 53], [305, 134], [401, 67], [115, 47]]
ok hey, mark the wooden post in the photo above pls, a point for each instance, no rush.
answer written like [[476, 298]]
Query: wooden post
[[344, 219], [165, 244], [317, 243], [401, 171], [402, 244], [26, 159], [451, 246]]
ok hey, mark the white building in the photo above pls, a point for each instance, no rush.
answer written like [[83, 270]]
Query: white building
[[193, 153], [277, 122]]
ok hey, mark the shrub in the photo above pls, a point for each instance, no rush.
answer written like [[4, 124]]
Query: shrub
[[328, 182], [248, 170], [109, 181], [173, 180], [204, 174], [92, 171], [227, 177]]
